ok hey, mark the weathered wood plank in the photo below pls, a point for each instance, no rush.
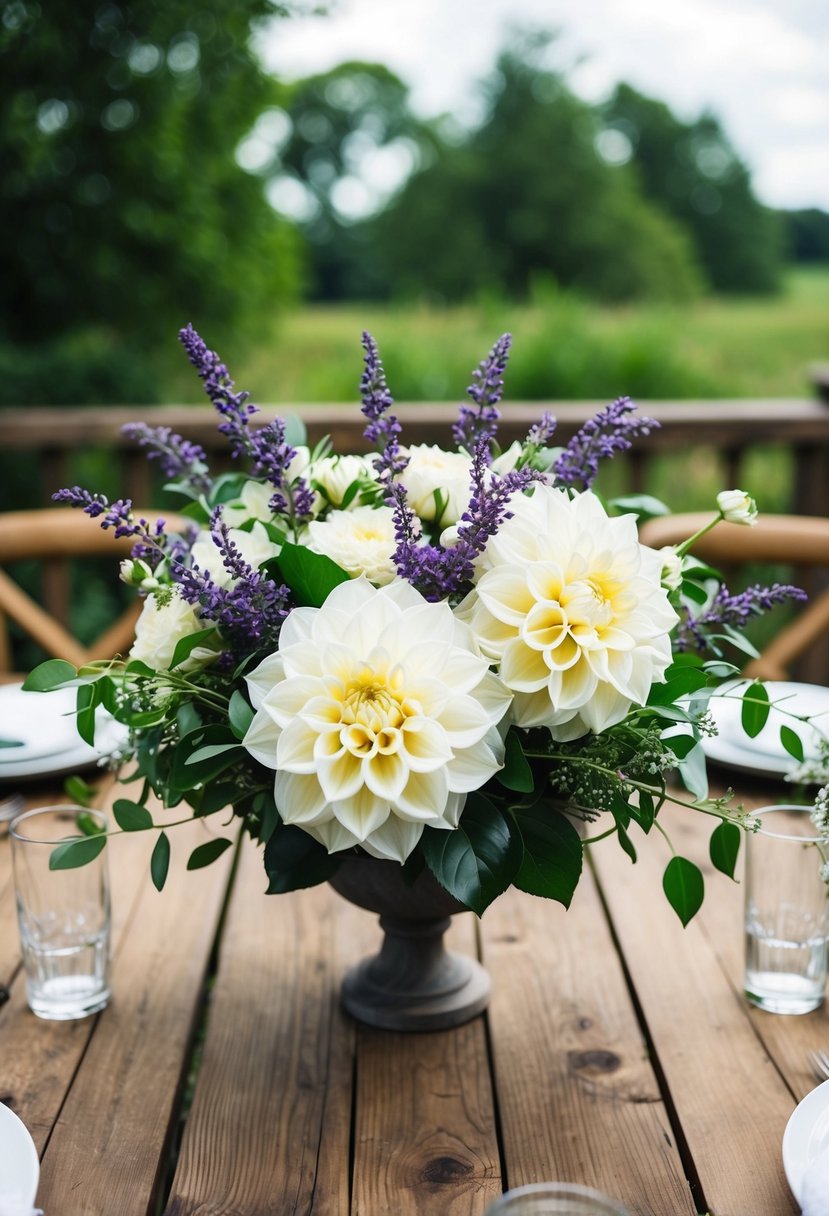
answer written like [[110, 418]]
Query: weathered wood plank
[[271, 1111], [425, 1142], [700, 1030], [120, 1110], [573, 1080]]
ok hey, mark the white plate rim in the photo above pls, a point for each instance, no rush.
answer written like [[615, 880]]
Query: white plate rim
[[108, 735], [747, 756], [24, 1152], [800, 1134], [38, 750]]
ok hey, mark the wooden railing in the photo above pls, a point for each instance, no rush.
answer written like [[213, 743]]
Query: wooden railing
[[729, 429]]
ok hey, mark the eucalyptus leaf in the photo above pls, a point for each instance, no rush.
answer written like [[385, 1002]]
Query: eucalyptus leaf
[[79, 851], [131, 816], [240, 713], [724, 847], [205, 854], [87, 700], [754, 710], [186, 646], [54, 673], [792, 742], [160, 861]]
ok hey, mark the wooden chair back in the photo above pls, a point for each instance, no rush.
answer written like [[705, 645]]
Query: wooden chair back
[[53, 537], [799, 541]]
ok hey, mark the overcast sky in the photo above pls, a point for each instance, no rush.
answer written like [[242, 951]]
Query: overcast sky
[[762, 66]]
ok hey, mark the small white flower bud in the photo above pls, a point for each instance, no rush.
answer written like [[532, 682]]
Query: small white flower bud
[[737, 507], [671, 567]]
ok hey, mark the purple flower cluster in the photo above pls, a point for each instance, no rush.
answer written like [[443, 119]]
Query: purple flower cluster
[[383, 428], [151, 541], [180, 459], [733, 611], [540, 435], [604, 436], [250, 611], [218, 385], [486, 390]]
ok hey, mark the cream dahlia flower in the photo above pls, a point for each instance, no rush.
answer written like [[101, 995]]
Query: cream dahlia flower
[[569, 604], [378, 715], [361, 540]]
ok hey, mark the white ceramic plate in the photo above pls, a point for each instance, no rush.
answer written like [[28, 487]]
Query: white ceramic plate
[[806, 1136], [45, 724], [765, 753], [19, 1166]]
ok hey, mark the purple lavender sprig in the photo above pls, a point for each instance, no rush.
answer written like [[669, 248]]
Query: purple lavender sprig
[[151, 542], [610, 432], [540, 435], [218, 385], [249, 611], [383, 428], [180, 459], [486, 390], [732, 611]]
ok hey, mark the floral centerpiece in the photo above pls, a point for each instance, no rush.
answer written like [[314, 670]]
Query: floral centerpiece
[[453, 661]]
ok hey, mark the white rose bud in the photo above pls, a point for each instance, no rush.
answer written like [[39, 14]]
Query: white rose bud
[[450, 537], [737, 507], [136, 573], [671, 568]]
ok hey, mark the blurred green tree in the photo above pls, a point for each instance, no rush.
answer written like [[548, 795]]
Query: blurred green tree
[[691, 171], [125, 209], [807, 234], [527, 194]]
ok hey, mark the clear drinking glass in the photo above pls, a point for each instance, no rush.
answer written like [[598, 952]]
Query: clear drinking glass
[[786, 912], [555, 1199], [63, 915]]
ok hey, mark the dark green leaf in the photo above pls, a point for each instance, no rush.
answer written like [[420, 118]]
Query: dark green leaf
[[683, 681], [693, 591], [479, 859], [294, 860], [186, 646], [724, 847], [552, 862], [131, 816], [205, 854], [188, 718], [216, 796], [754, 711], [311, 576], [90, 824], [683, 884], [160, 862], [239, 713], [681, 745], [54, 673], [792, 742], [78, 851], [516, 774], [85, 720], [625, 840], [647, 812], [79, 790]]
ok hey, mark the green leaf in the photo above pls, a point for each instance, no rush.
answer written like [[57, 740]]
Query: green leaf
[[78, 851], [208, 753], [225, 751], [311, 576], [792, 742], [683, 884], [681, 745], [647, 811], [479, 859], [85, 720], [724, 847], [216, 796], [294, 860], [131, 816], [188, 718], [240, 713], [680, 682], [552, 862], [205, 854], [160, 862], [54, 673], [640, 504], [295, 432], [186, 646], [754, 711], [79, 790], [694, 772], [90, 824], [516, 774]]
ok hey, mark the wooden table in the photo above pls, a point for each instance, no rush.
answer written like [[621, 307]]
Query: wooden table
[[618, 1051]]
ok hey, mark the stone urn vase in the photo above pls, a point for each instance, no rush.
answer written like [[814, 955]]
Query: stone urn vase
[[413, 983]]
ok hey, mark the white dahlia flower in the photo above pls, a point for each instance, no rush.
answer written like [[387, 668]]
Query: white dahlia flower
[[378, 715], [361, 540], [570, 605]]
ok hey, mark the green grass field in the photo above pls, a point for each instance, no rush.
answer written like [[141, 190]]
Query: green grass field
[[563, 348]]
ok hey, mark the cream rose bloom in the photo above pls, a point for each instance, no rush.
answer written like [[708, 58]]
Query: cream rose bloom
[[165, 619], [255, 547], [570, 605], [378, 715], [430, 468], [336, 473], [362, 541]]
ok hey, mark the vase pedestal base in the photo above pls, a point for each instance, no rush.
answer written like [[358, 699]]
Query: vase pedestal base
[[414, 983]]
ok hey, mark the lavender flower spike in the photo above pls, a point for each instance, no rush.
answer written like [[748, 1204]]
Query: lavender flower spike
[[609, 433], [486, 391], [733, 610], [383, 428], [219, 388], [180, 459]]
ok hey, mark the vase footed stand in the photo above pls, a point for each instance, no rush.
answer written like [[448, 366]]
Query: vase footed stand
[[414, 983]]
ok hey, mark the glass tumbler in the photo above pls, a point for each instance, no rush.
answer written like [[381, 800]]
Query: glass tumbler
[[63, 914], [555, 1199]]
